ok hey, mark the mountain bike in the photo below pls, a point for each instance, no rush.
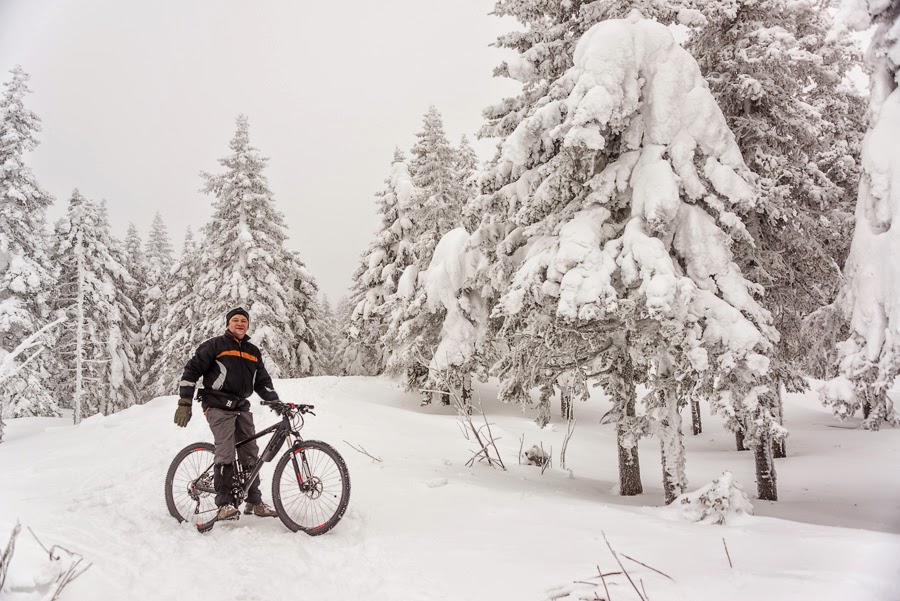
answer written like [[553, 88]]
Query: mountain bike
[[310, 486]]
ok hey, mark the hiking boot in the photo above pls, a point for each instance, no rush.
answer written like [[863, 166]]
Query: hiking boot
[[228, 512], [260, 510]]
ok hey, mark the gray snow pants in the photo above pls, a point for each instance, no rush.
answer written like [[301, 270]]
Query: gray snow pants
[[229, 427]]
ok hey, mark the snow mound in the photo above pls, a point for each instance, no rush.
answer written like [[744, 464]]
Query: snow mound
[[719, 502]]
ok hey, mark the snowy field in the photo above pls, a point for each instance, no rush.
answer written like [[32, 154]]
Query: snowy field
[[421, 525]]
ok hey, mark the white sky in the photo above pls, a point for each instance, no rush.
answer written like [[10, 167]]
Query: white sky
[[137, 98]]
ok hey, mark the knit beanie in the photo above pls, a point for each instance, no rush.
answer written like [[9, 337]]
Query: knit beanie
[[233, 312]]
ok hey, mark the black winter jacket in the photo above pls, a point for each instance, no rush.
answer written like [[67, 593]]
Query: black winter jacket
[[231, 370]]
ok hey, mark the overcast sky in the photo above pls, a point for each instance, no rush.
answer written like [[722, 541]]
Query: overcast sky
[[136, 98]]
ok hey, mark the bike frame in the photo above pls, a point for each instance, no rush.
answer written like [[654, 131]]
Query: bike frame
[[281, 432]]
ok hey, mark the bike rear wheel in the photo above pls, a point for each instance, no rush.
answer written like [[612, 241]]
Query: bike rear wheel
[[311, 488], [190, 492]]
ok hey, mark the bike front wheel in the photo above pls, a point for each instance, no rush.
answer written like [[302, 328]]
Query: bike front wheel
[[311, 488], [190, 493]]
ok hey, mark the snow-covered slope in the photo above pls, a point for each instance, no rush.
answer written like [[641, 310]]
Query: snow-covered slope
[[421, 525]]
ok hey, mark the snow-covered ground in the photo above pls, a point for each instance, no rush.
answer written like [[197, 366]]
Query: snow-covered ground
[[421, 525]]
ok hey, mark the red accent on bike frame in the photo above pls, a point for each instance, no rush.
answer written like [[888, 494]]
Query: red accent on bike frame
[[198, 450]]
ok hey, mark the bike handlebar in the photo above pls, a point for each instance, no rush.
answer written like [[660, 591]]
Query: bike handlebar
[[280, 406]]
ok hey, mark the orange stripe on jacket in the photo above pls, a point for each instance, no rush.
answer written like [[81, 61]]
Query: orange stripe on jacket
[[238, 354]]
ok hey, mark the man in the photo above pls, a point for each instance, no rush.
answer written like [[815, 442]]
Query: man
[[232, 369]]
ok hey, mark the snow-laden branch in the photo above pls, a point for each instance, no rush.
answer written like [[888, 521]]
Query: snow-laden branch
[[8, 365]]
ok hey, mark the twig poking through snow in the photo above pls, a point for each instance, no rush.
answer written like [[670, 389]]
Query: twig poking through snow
[[70, 573], [648, 567], [6, 556], [603, 580], [727, 554], [363, 450], [624, 571]]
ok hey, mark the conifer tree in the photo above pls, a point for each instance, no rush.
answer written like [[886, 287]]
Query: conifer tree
[[434, 168], [176, 327], [466, 176], [778, 76], [869, 359], [373, 293], [545, 46], [96, 355], [440, 175], [188, 247], [158, 250], [134, 261], [134, 255], [243, 262], [457, 317], [157, 279], [26, 276], [609, 216], [329, 337]]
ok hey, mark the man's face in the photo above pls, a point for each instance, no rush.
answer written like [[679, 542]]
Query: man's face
[[238, 325]]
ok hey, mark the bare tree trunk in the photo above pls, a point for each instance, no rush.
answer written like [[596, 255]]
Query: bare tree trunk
[[671, 447], [629, 464], [696, 426], [766, 484], [739, 439], [566, 410], [416, 381], [779, 449], [543, 416], [466, 392]]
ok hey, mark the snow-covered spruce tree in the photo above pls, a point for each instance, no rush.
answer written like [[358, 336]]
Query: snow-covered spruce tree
[[439, 173], [189, 246], [870, 357], [546, 45], [545, 50], [177, 325], [622, 189], [158, 250], [381, 267], [467, 176], [26, 277], [243, 262], [329, 337], [436, 171], [95, 355], [135, 261], [781, 82], [305, 320], [456, 313], [157, 279]]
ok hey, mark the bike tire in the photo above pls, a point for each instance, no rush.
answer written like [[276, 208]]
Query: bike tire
[[190, 464], [319, 505]]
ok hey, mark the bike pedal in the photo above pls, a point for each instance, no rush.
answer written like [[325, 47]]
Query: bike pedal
[[206, 526]]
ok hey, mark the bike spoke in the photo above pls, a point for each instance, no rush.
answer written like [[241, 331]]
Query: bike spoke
[[314, 506], [194, 471]]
